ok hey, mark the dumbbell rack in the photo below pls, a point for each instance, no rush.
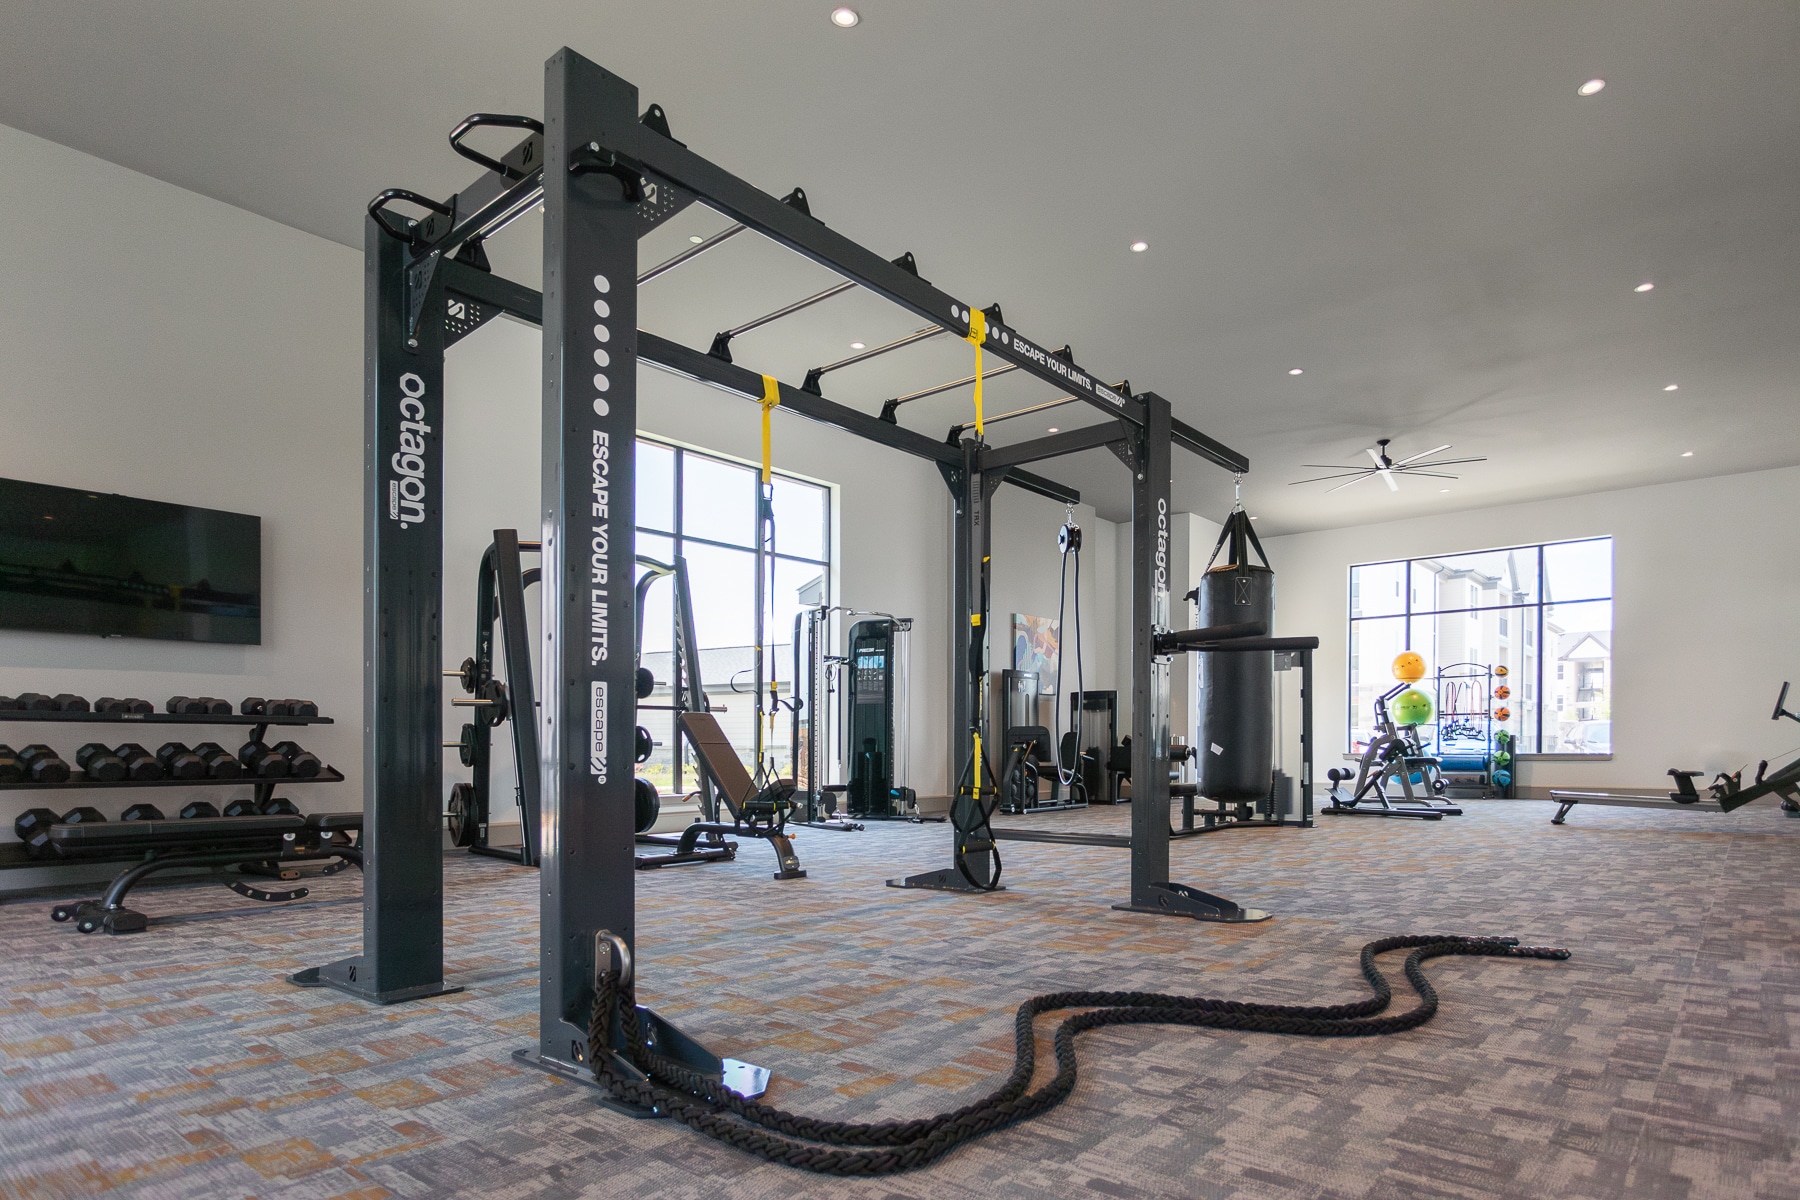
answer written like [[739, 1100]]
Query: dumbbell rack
[[12, 854]]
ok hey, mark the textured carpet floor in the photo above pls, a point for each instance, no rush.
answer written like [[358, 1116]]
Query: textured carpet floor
[[1663, 1060]]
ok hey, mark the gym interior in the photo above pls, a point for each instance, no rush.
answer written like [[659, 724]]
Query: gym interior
[[900, 600]]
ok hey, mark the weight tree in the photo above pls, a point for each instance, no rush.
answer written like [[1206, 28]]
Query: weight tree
[[606, 176]]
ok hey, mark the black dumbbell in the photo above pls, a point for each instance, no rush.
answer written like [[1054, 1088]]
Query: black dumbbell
[[195, 809], [302, 764], [216, 707], [42, 764], [180, 762], [70, 702], [253, 706], [187, 706], [142, 812], [261, 761], [36, 702], [9, 704], [11, 769], [33, 827], [277, 806], [140, 764], [220, 762], [130, 704], [245, 807], [99, 763], [303, 708], [84, 815]]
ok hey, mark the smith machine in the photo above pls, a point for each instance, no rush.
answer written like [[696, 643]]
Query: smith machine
[[605, 176]]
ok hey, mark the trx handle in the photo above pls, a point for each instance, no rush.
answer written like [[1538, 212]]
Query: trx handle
[[501, 120]]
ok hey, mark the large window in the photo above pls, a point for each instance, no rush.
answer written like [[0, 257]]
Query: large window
[[1542, 612], [703, 508]]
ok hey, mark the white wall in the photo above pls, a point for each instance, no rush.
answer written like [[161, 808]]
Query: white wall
[[1705, 577], [159, 344]]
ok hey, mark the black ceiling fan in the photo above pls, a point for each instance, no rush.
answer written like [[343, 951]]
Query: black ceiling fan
[[1389, 470]]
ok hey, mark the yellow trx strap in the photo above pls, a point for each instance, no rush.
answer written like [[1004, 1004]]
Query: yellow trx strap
[[978, 767], [770, 398], [977, 335]]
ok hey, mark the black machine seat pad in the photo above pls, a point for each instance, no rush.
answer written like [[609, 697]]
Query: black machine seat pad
[[335, 822]]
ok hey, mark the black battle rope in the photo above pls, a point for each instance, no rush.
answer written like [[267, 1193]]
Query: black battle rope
[[884, 1148]]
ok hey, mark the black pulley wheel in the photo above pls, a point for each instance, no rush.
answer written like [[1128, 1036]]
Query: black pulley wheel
[[462, 814], [649, 805]]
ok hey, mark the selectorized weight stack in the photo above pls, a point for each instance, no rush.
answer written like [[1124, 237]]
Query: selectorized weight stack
[[1235, 754]]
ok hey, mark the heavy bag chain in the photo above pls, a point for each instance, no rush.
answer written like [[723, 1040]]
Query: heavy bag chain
[[651, 1081]]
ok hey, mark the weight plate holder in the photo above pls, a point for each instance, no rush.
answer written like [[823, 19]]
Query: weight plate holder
[[746, 1079]]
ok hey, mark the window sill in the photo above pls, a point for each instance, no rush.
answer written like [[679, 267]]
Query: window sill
[[1531, 757]]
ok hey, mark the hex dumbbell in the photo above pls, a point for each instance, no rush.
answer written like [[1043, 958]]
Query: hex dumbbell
[[140, 764], [99, 763], [142, 812], [11, 769], [179, 762], [220, 762], [196, 809], [43, 765], [261, 761], [33, 827], [302, 764]]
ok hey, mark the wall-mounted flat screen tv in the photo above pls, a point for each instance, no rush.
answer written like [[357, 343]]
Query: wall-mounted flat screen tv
[[74, 561]]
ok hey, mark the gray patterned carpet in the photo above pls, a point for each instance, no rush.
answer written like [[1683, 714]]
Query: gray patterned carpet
[[1663, 1060]]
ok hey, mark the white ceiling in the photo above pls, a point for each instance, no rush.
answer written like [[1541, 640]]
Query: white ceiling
[[1404, 197]]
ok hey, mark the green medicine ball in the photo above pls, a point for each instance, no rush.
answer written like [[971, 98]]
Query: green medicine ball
[[1411, 707]]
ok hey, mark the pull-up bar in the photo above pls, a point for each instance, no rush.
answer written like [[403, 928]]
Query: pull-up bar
[[722, 342], [692, 252], [956, 431], [889, 406], [918, 335]]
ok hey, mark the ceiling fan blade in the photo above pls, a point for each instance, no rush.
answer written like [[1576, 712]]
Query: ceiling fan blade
[[1335, 466], [1375, 457], [1388, 478], [1340, 487], [1432, 475], [1444, 462], [1421, 454], [1323, 478]]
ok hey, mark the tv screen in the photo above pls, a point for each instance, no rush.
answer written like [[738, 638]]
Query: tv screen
[[74, 561]]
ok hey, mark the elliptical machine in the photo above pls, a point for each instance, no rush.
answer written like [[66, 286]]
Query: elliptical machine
[[1394, 755]]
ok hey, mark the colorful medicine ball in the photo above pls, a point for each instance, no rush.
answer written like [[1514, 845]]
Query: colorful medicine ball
[[1409, 667]]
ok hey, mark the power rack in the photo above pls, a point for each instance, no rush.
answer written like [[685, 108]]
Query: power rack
[[606, 176]]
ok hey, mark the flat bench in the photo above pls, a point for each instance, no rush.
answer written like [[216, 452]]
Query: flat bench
[[266, 844]]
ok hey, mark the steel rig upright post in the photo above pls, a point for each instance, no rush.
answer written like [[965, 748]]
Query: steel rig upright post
[[403, 567]]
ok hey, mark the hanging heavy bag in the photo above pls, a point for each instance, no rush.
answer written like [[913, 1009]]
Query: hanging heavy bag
[[1235, 751]]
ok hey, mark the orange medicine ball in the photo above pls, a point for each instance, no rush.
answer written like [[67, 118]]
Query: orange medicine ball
[[1409, 667]]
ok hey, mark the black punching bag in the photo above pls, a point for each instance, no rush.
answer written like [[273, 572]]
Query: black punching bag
[[1235, 753]]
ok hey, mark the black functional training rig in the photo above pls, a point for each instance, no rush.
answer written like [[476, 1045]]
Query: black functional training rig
[[605, 176]]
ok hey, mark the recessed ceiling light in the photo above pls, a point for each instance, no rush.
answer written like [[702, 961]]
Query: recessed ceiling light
[[1139, 247], [695, 238], [1687, 454], [1255, 518], [1592, 87], [857, 345], [844, 17], [1443, 489], [1295, 371], [1644, 287], [1673, 387], [1053, 429]]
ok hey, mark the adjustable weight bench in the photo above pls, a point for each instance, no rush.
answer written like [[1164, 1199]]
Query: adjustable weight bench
[[264, 842], [755, 812]]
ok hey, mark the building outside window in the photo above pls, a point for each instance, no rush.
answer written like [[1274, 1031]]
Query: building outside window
[[703, 507], [1544, 612]]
